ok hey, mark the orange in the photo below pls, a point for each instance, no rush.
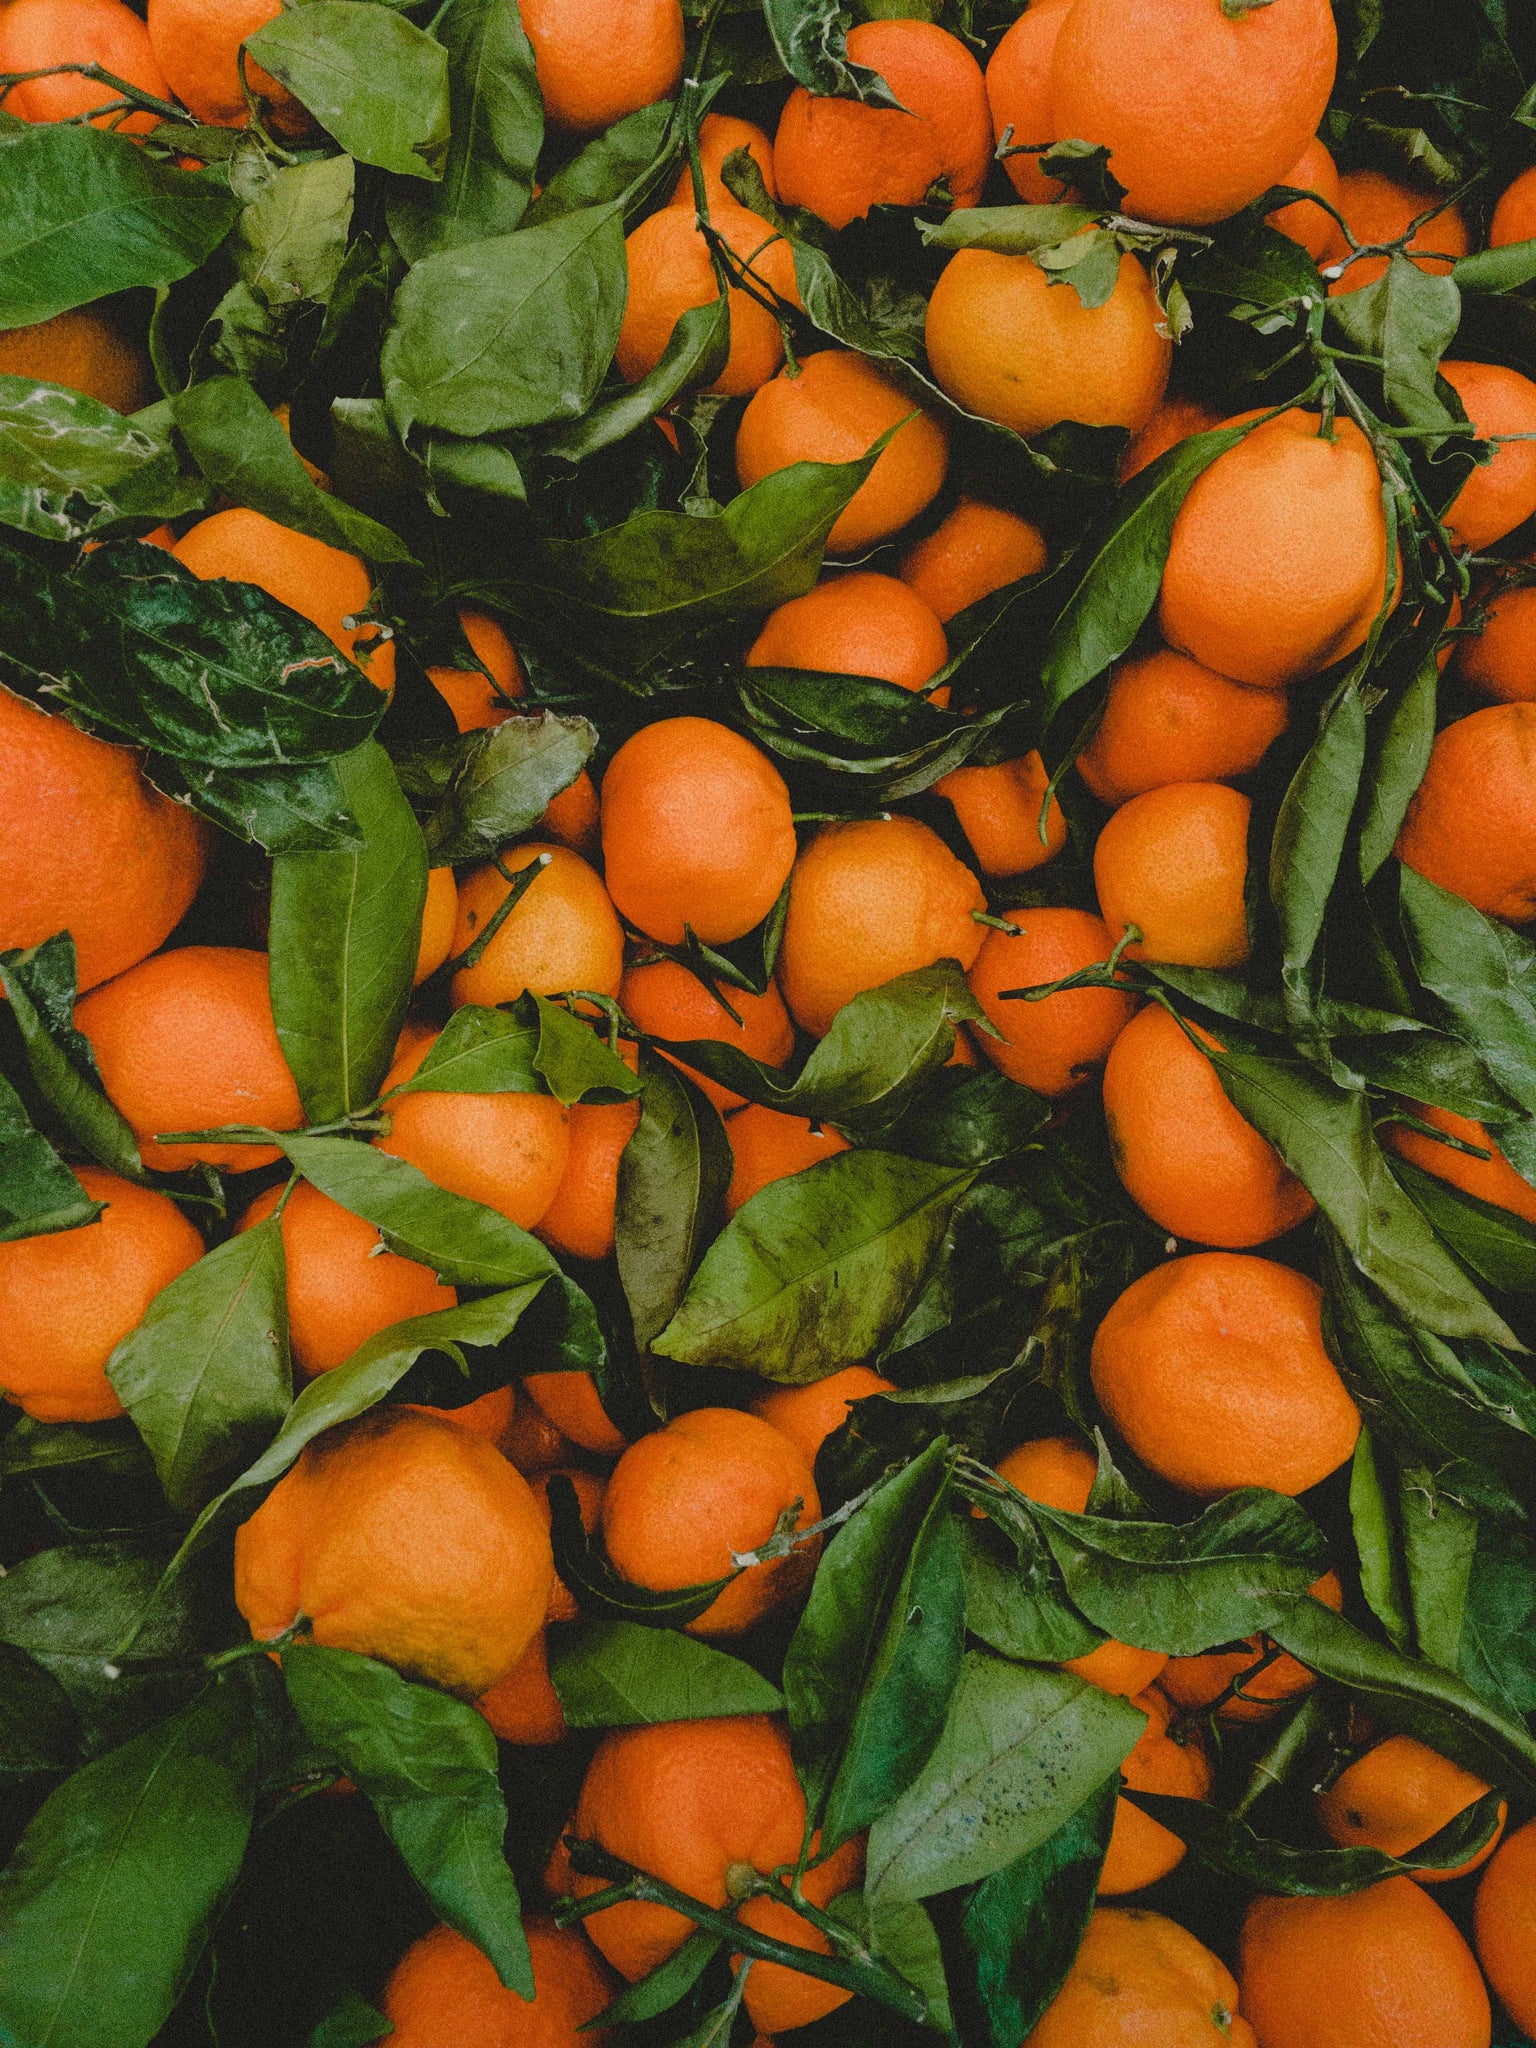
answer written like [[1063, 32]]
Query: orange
[[1491, 1180], [83, 351], [1504, 1925], [1396, 1796], [1184, 1154], [489, 1415], [197, 43], [767, 1145], [523, 1708], [809, 1415], [670, 272], [35, 34], [185, 1041], [1173, 862], [777, 1996], [1141, 1849], [1174, 420], [1471, 826], [1501, 494], [834, 410], [1213, 1369], [562, 934], [975, 549], [508, 1151], [1167, 719], [1202, 107], [401, 1536], [1383, 1965], [589, 1500], [476, 698], [720, 136], [68, 1299], [697, 831], [999, 812], [343, 1286], [713, 1481], [571, 817], [1499, 659], [1197, 1682], [531, 1440], [1054, 1044], [1007, 343], [87, 846], [1141, 1981], [1379, 209], [1019, 94], [1278, 561], [859, 624], [446, 1994], [593, 69], [869, 901], [571, 1402], [582, 1216], [841, 157], [323, 584], [1514, 218], [1303, 219], [665, 1000], [439, 915]]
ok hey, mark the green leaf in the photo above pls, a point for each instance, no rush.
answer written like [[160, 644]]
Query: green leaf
[[88, 214], [1021, 1750], [619, 1674], [33, 1446], [1498, 1630], [344, 937], [673, 1175], [695, 355], [427, 1764], [372, 79], [902, 1934], [1373, 1517], [480, 1052], [667, 1983], [1439, 1538], [206, 1375], [1496, 270], [1499, 1246], [607, 167], [40, 985], [816, 1271], [575, 1063], [1480, 976], [292, 237], [1310, 832], [1397, 768], [38, 1192], [1408, 318], [1010, 230], [351, 2023], [509, 332], [39, 1731], [497, 127], [113, 1889], [811, 37], [1014, 1600], [482, 789], [582, 1564], [71, 468]]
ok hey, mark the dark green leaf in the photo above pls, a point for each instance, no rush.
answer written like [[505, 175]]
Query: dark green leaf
[[1010, 230], [40, 984], [695, 355], [1310, 833], [33, 1446], [292, 237], [667, 1983], [1378, 1546], [353, 2023], [575, 1063], [39, 1730], [811, 37], [607, 167], [673, 1175], [1408, 317], [619, 1674], [480, 1052], [1496, 270], [372, 79], [485, 788], [1439, 1538], [70, 467], [1498, 1246], [1398, 767], [38, 1192], [1498, 1631], [1014, 1600], [1480, 975]]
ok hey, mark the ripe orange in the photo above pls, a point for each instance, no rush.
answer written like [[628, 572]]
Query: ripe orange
[[87, 846], [475, 698], [571, 817], [777, 1996], [1007, 343], [1213, 1369], [1395, 1797], [591, 71], [841, 157], [809, 1415], [1184, 1154], [1019, 95], [1471, 826], [1379, 209], [571, 1402], [68, 1299], [858, 624], [1141, 1981], [85, 352], [508, 1151], [531, 1440], [1303, 219], [197, 43], [1141, 1849], [670, 272], [1514, 218], [1491, 1180], [440, 914], [343, 1286], [488, 1415], [523, 1708], [869, 901], [1197, 1682], [1054, 1044], [835, 410], [563, 933], [1278, 561], [1384, 1964], [697, 831], [1504, 1925], [999, 812], [1501, 494], [1499, 659], [720, 135], [444, 1990], [36, 34], [665, 1000], [767, 1145], [975, 549], [1167, 719], [581, 1219], [713, 1481], [1174, 420], [404, 1537], [1172, 862], [185, 1041]]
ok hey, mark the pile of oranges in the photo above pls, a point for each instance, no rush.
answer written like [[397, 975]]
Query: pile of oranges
[[1073, 887]]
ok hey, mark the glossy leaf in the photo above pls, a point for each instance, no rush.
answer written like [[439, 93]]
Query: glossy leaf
[[1310, 833], [1480, 977], [483, 789], [673, 1175], [38, 1192], [70, 467], [39, 984], [619, 1674], [695, 355], [372, 79]]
